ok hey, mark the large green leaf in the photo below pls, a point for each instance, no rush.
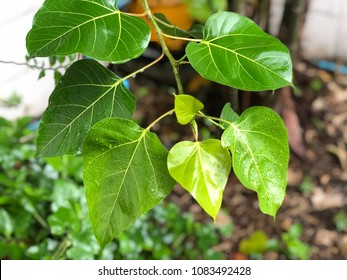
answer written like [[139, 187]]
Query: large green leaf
[[186, 106], [125, 175], [259, 145], [202, 168], [87, 93], [94, 28], [237, 53]]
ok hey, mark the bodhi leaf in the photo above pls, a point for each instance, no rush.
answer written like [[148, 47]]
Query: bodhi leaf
[[237, 53], [186, 106], [228, 114], [125, 175], [258, 142], [202, 168], [87, 93], [168, 28], [94, 28]]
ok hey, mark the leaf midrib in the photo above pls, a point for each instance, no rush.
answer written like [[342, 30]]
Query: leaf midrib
[[208, 44], [250, 152], [143, 134], [114, 87]]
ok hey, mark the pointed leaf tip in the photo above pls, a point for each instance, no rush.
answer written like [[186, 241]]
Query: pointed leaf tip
[[202, 168], [125, 175]]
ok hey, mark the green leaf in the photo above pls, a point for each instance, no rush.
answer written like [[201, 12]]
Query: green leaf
[[84, 245], [259, 145], [202, 9], [64, 220], [186, 106], [202, 168], [256, 243], [237, 53], [94, 28], [168, 28], [125, 175], [228, 114], [87, 93], [6, 223]]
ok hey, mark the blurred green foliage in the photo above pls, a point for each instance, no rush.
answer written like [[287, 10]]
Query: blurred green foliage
[[43, 212], [294, 247], [201, 10], [340, 220], [289, 245], [306, 186]]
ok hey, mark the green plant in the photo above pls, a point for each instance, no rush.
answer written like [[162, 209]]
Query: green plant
[[295, 248], [44, 215], [289, 245], [127, 170], [340, 221]]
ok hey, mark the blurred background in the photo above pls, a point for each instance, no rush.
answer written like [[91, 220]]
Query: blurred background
[[43, 213]]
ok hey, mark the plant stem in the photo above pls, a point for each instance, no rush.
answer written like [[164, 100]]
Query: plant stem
[[160, 118], [33, 66], [143, 68], [182, 38], [63, 246], [213, 119], [166, 51], [41, 221]]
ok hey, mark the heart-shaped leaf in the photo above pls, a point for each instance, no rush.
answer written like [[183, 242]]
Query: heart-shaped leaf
[[186, 106], [258, 142], [202, 168], [87, 93], [95, 28], [237, 53], [125, 175]]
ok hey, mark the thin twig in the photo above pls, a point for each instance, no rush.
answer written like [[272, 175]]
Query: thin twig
[[159, 32], [33, 66]]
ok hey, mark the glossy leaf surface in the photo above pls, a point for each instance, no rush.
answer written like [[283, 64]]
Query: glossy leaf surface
[[186, 106], [258, 142], [94, 28], [202, 168], [237, 53], [125, 175], [87, 93]]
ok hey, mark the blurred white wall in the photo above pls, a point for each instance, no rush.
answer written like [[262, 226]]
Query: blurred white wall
[[325, 31], [15, 21]]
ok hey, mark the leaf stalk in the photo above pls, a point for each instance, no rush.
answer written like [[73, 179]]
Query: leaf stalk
[[175, 65]]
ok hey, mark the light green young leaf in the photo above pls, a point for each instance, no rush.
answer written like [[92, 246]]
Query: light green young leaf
[[258, 142], [87, 93], [228, 114], [125, 175], [94, 28], [237, 53], [202, 168], [186, 106]]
